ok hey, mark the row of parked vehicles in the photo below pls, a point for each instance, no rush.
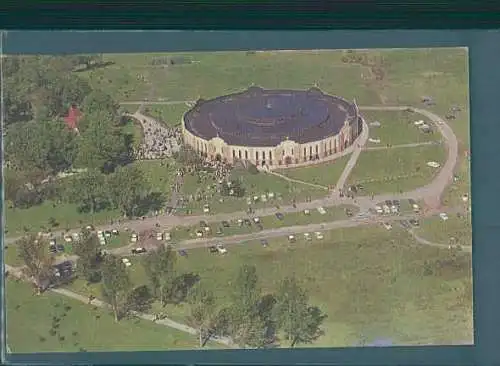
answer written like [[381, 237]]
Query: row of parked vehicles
[[389, 207]]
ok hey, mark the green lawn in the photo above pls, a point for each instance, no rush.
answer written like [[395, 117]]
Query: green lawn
[[134, 129], [217, 73], [395, 170], [255, 184], [436, 230], [170, 114], [81, 327], [67, 215], [368, 280], [397, 128], [325, 174], [268, 222], [159, 174]]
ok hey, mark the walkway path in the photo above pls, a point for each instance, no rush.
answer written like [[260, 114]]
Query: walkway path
[[146, 102], [17, 272], [296, 180], [417, 144], [423, 241], [358, 145]]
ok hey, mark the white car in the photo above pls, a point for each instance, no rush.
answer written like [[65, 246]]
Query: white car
[[394, 209], [321, 210], [114, 232], [68, 239], [307, 236], [433, 164], [375, 141], [207, 229], [270, 195], [387, 209], [199, 233], [379, 209], [443, 216], [465, 197], [221, 249], [206, 209], [263, 198], [291, 237], [418, 123], [387, 225], [133, 238], [52, 242], [159, 236], [126, 262], [167, 237], [307, 212], [100, 233], [256, 220], [319, 235]]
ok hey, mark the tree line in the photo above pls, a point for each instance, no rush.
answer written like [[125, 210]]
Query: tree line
[[39, 146], [248, 316]]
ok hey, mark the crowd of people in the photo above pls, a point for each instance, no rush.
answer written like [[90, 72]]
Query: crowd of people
[[159, 141]]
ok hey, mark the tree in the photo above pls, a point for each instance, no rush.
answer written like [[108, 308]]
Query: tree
[[87, 248], [89, 190], [102, 145], [98, 101], [46, 146], [127, 187], [38, 262], [294, 316], [160, 270], [116, 285], [247, 326], [202, 314]]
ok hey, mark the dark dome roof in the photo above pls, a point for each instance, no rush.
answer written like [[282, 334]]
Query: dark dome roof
[[258, 117]]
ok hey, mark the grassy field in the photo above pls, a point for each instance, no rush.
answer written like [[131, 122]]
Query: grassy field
[[384, 171], [371, 282], [134, 129], [81, 327], [67, 215], [268, 222], [325, 174], [254, 184], [436, 230], [397, 128], [170, 114]]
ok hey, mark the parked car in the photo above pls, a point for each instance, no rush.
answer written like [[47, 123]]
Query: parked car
[[138, 250], [60, 248], [443, 216], [279, 216], [183, 253], [264, 243], [221, 249], [225, 224], [414, 223], [213, 249]]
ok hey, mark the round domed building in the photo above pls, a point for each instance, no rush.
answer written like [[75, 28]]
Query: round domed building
[[272, 128]]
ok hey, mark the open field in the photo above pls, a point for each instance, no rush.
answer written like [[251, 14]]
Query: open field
[[371, 282], [438, 231], [254, 184], [67, 215], [267, 222], [397, 128], [398, 170], [81, 327], [325, 174], [218, 73], [170, 114]]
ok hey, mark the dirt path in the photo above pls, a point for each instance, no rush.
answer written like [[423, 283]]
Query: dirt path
[[402, 146]]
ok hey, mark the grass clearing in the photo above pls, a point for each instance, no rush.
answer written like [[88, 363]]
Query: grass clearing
[[399, 170], [397, 128], [325, 174], [371, 282], [255, 185], [169, 114], [67, 215], [81, 327], [436, 230]]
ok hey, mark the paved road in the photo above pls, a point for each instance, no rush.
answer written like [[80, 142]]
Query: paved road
[[431, 192], [17, 272]]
